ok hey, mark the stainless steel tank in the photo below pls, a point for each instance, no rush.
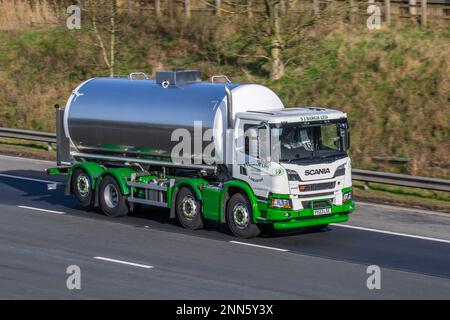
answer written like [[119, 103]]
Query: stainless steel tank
[[136, 118]]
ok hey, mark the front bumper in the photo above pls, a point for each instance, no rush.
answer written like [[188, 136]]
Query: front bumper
[[288, 219]]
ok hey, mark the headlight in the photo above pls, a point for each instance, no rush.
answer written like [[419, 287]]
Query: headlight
[[347, 196], [281, 203]]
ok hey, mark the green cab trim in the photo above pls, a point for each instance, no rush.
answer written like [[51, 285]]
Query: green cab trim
[[279, 196], [286, 225], [278, 215], [346, 190]]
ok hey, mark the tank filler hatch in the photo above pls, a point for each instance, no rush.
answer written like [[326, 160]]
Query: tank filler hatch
[[177, 77]]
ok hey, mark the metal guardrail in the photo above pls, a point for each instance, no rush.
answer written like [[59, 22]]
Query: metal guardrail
[[366, 176], [28, 135], [401, 180]]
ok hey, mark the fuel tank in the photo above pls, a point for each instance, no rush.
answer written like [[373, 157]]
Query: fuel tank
[[137, 118]]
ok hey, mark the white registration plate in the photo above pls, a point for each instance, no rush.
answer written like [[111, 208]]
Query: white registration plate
[[319, 212]]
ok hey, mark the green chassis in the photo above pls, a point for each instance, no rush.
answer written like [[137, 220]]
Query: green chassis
[[212, 198]]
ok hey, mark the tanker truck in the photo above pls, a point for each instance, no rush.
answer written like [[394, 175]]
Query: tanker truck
[[204, 150]]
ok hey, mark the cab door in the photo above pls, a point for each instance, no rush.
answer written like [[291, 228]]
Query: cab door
[[252, 155]]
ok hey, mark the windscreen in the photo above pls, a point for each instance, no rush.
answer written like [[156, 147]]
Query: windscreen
[[296, 142]]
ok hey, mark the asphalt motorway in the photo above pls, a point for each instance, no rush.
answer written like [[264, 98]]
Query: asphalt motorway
[[149, 256]]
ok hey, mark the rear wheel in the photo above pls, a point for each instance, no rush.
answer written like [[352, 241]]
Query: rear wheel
[[322, 227], [81, 187], [240, 217], [188, 209], [112, 202]]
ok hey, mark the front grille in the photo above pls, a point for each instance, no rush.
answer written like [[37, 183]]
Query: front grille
[[316, 195], [317, 186]]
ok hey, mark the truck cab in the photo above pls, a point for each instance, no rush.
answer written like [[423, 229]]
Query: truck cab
[[296, 162]]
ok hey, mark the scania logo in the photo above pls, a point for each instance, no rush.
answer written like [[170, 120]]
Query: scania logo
[[317, 171]]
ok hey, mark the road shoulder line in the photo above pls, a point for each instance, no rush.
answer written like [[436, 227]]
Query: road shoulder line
[[124, 262], [391, 233], [39, 209], [259, 246]]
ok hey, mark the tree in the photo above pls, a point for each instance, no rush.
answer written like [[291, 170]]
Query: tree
[[277, 35], [104, 28]]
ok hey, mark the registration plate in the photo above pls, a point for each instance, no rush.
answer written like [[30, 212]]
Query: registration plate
[[319, 212]]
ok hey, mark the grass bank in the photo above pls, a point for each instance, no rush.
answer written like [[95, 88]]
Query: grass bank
[[394, 84]]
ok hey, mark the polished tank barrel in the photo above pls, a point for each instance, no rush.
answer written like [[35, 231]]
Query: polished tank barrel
[[137, 118]]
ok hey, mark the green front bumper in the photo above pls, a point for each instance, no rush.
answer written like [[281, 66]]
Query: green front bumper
[[287, 219]]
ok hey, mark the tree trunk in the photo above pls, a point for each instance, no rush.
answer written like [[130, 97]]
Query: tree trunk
[[423, 20], [277, 68], [187, 8], [113, 12], [158, 8], [388, 11], [249, 9], [218, 4]]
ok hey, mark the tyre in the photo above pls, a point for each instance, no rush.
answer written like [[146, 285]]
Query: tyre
[[188, 209], [81, 187], [322, 227], [112, 202], [240, 217]]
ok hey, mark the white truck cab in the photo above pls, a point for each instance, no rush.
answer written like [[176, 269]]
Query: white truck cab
[[305, 158]]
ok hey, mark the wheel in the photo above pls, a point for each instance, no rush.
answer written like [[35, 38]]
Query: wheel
[[112, 202], [188, 209], [81, 187], [317, 228], [240, 217]]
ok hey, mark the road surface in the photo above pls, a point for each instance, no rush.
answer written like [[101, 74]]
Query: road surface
[[149, 256]]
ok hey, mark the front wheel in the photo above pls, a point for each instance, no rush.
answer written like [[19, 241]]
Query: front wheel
[[112, 202], [240, 217]]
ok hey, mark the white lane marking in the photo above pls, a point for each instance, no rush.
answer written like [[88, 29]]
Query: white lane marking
[[391, 233], [39, 209], [124, 262], [258, 246], [29, 179]]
